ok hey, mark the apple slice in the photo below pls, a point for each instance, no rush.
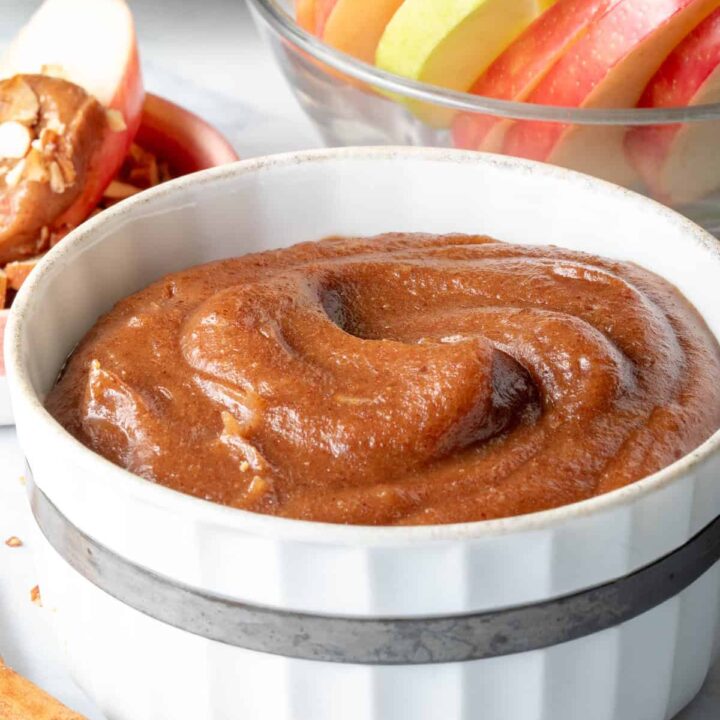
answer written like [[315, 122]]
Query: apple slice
[[681, 163], [305, 14], [449, 43], [609, 67], [90, 43], [356, 26], [522, 66], [323, 8], [16, 273], [312, 15]]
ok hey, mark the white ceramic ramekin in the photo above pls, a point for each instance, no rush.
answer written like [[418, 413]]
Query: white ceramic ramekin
[[138, 668]]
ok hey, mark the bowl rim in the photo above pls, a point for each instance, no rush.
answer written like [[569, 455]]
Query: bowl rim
[[98, 230], [285, 25], [214, 137]]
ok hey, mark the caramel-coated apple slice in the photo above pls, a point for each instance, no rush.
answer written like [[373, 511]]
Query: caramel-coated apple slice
[[53, 145], [680, 163], [609, 67], [92, 44]]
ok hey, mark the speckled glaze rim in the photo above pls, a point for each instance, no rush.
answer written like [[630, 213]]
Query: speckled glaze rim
[[180, 504], [285, 26], [377, 640]]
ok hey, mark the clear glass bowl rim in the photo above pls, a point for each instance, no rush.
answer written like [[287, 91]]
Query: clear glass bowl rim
[[282, 23]]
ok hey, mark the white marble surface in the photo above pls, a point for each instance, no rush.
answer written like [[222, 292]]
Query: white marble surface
[[207, 57]]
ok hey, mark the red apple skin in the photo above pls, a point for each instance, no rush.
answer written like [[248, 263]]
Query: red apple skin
[[691, 74], [522, 66], [128, 100], [609, 67]]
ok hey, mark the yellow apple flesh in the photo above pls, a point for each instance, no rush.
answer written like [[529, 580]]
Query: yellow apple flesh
[[449, 43]]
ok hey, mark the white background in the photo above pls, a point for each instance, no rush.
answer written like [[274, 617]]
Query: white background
[[206, 56]]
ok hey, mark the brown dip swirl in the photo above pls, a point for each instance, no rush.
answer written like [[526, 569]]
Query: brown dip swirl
[[403, 379]]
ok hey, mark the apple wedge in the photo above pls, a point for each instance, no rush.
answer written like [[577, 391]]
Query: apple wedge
[[305, 14], [312, 15], [680, 163], [323, 9], [609, 67], [449, 43], [90, 43], [522, 66], [356, 26]]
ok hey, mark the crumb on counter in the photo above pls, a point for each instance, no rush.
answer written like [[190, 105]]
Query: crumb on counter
[[35, 596], [14, 542]]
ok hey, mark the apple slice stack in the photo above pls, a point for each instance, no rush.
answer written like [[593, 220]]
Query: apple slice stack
[[681, 162], [585, 54]]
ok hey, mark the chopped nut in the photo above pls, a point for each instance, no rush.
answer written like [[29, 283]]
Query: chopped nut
[[258, 487], [14, 542], [15, 140], [68, 169], [17, 272], [35, 169], [48, 139], [53, 124], [116, 121], [57, 181], [35, 596], [143, 168], [14, 174], [119, 190], [244, 466]]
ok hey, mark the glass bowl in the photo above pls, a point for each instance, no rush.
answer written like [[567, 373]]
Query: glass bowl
[[353, 103]]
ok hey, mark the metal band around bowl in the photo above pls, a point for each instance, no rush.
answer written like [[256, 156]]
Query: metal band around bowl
[[377, 641]]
